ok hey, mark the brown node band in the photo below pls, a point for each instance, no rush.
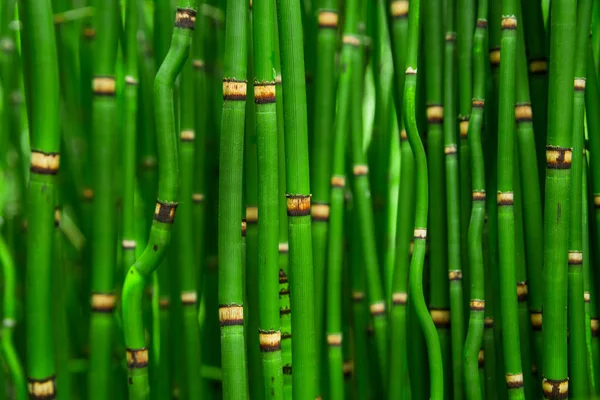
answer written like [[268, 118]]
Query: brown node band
[[450, 37], [164, 303], [478, 103], [284, 311], [348, 369], [411, 71], [137, 358], [103, 302], [44, 163], [42, 389], [57, 214], [377, 308], [338, 181], [282, 277], [505, 198], [514, 381], [351, 40], [185, 18], [509, 22], [399, 9], [399, 299], [558, 157], [189, 298], [555, 389], [595, 327], [286, 336], [130, 80], [264, 92], [231, 314], [481, 358], [198, 64], [495, 57], [165, 212], [575, 257], [482, 23], [435, 114], [477, 305], [269, 341], [596, 200], [464, 127], [358, 296], [523, 112], [198, 197], [478, 195], [586, 297], [244, 227], [320, 212], [252, 214], [536, 320], [298, 205], [440, 317], [234, 90], [103, 85], [420, 233], [187, 135], [455, 275], [403, 136], [334, 339], [522, 291], [360, 170], [283, 247], [284, 292], [579, 84], [89, 33], [148, 162], [328, 19], [287, 369], [539, 66], [450, 149], [488, 322]]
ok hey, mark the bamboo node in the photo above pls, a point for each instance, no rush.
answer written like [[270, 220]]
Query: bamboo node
[[558, 157], [399, 9], [351, 40], [282, 277], [536, 320], [420, 233], [165, 212], [358, 296], [348, 369], [399, 299], [198, 197], [505, 198], [488, 322], [44, 163], [137, 358], [278, 79], [478, 103], [320, 212], [149, 162], [187, 135], [440, 317], [464, 127], [481, 358], [478, 195], [164, 303], [595, 326], [586, 297], [338, 181], [455, 275], [495, 57], [328, 19], [185, 18], [539, 66], [411, 71], [103, 302], [509, 22], [477, 305], [103, 85], [450, 149], [198, 64], [42, 388], [450, 37], [555, 389], [9, 323], [298, 205], [264, 92], [7, 45], [596, 200], [579, 84], [482, 23], [514, 381], [284, 247], [234, 90], [287, 369], [377, 308], [89, 33], [575, 257], [128, 244], [57, 214], [334, 339], [523, 112], [189, 298], [435, 114], [522, 291], [130, 80], [252, 214], [231, 314], [269, 341], [244, 226], [360, 169]]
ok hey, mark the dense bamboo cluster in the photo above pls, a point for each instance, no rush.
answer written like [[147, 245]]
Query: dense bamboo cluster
[[296, 199]]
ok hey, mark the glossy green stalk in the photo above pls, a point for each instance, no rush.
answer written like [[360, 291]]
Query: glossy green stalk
[[164, 215], [39, 50], [578, 376], [298, 198], [422, 197], [557, 199], [505, 201], [477, 293]]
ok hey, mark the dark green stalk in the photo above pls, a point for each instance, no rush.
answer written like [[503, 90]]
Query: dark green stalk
[[505, 200], [422, 197], [39, 47], [268, 198], [578, 376], [298, 199], [164, 215], [163, 15], [557, 200], [477, 303]]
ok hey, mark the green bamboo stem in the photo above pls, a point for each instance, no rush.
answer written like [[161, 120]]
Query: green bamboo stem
[[421, 200], [505, 200], [160, 231], [556, 222], [477, 303], [298, 198], [39, 47]]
